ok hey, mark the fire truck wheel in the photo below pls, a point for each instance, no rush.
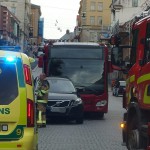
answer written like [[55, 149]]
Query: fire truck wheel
[[133, 140]]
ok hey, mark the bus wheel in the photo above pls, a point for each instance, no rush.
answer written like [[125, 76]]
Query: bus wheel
[[133, 140], [101, 115]]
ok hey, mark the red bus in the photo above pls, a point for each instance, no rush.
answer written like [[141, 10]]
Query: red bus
[[86, 64]]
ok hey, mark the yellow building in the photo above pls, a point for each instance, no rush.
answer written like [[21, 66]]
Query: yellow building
[[35, 17], [94, 20]]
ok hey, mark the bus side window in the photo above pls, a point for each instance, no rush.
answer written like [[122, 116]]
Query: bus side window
[[147, 50]]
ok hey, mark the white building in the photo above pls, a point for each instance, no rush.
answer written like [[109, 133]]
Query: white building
[[123, 11]]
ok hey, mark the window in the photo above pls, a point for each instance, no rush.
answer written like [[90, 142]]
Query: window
[[13, 10], [92, 20], [147, 44], [92, 36], [134, 3], [9, 83], [100, 6], [134, 46], [93, 5], [99, 20]]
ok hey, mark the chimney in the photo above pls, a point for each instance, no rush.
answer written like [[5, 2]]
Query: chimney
[[67, 31]]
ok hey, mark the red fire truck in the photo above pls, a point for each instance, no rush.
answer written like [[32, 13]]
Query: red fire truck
[[86, 64], [136, 99]]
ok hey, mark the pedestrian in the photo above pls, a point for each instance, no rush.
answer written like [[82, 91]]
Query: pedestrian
[[117, 84], [41, 93], [34, 50]]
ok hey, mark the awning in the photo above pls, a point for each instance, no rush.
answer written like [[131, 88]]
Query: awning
[[116, 67]]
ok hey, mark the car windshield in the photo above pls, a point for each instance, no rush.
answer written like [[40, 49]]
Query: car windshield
[[61, 86]]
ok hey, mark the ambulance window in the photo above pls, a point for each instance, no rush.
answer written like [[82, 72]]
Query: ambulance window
[[147, 44], [8, 85]]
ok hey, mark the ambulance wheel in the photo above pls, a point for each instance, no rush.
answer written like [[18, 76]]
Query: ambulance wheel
[[37, 147]]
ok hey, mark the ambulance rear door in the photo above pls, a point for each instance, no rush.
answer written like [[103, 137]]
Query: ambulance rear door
[[13, 103]]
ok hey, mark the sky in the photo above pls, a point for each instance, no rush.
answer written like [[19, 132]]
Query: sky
[[59, 15]]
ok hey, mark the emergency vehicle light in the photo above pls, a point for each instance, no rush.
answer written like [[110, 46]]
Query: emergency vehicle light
[[10, 48], [123, 125], [10, 59], [27, 74], [30, 113]]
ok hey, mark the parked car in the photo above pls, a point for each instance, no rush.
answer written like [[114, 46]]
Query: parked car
[[63, 100], [121, 89]]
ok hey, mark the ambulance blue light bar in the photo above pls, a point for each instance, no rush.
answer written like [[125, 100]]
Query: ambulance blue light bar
[[10, 59], [10, 48]]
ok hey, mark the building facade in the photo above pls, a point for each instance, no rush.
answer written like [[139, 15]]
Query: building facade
[[94, 20], [123, 11], [22, 10], [35, 18], [123, 15], [9, 27]]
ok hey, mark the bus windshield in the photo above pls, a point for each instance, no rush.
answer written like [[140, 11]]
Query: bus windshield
[[85, 67]]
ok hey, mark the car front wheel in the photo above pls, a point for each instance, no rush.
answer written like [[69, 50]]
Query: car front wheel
[[79, 120]]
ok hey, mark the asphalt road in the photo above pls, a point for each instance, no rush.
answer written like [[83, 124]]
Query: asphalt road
[[93, 134]]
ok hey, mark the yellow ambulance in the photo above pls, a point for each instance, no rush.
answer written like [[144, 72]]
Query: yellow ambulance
[[18, 129]]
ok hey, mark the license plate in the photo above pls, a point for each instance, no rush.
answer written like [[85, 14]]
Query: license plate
[[58, 109]]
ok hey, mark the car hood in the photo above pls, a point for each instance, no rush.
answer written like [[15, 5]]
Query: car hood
[[61, 96]]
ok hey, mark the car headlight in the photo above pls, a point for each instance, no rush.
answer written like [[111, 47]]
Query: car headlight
[[101, 103], [77, 101]]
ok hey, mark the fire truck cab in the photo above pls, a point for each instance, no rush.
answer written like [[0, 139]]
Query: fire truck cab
[[136, 99]]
